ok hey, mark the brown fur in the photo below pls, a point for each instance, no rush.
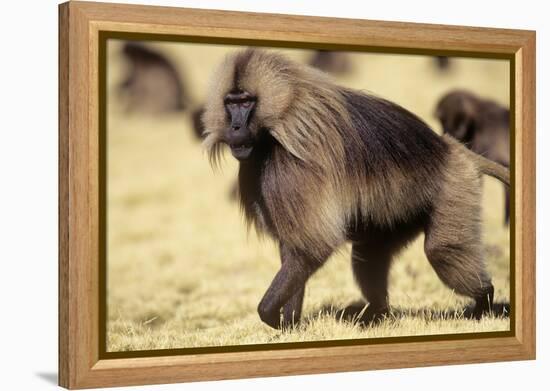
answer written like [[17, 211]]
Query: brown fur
[[333, 164]]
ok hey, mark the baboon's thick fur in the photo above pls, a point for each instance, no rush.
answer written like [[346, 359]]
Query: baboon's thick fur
[[336, 164]]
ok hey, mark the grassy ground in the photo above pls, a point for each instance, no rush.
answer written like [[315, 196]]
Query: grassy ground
[[183, 271]]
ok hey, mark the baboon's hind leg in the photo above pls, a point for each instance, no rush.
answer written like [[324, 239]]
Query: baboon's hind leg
[[453, 247], [371, 267]]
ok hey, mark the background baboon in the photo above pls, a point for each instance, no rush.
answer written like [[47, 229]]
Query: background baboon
[[336, 63], [443, 63], [152, 84], [322, 164], [196, 118], [481, 124]]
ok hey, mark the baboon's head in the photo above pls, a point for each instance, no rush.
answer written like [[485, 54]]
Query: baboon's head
[[258, 98], [458, 113], [248, 96]]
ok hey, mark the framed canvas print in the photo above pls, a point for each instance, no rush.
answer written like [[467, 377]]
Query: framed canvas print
[[248, 195]]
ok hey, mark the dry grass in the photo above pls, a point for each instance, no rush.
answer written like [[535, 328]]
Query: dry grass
[[182, 270]]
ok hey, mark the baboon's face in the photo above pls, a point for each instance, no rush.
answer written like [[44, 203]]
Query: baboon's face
[[241, 133]]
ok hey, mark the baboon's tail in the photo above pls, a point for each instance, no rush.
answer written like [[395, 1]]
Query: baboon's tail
[[491, 168]]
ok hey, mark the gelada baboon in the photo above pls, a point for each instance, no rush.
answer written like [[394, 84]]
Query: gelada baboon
[[321, 164], [442, 63], [152, 84], [482, 125], [336, 63]]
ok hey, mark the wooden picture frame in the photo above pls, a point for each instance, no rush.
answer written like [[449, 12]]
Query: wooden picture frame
[[81, 25]]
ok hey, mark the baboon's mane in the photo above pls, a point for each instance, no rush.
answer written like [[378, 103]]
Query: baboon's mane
[[336, 154]]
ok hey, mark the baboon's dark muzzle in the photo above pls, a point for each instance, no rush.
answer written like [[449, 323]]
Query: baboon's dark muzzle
[[241, 143]]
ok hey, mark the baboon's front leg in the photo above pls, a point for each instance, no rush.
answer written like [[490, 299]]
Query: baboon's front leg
[[292, 310], [287, 289]]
